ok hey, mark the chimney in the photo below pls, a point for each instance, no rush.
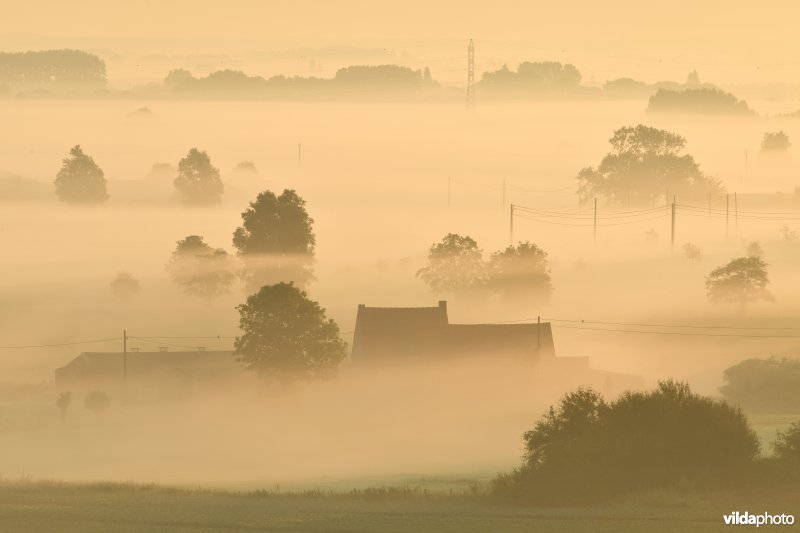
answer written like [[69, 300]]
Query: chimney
[[443, 305]]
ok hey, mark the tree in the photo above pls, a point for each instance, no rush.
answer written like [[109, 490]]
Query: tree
[[643, 164], [63, 401], [775, 142], [754, 249], [521, 272], [769, 385], [692, 252], [198, 181], [80, 180], [742, 281], [787, 445], [245, 169], [161, 172], [587, 449], [276, 240], [97, 402], [454, 265], [286, 336], [124, 285], [200, 269]]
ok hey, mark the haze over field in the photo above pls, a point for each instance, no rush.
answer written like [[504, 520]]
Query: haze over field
[[386, 169]]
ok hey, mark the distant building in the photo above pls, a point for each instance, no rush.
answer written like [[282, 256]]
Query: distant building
[[398, 333], [106, 369]]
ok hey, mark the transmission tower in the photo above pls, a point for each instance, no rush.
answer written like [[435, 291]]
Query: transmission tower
[[471, 77]]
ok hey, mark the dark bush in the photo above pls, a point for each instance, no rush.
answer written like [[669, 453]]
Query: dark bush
[[587, 449], [765, 385]]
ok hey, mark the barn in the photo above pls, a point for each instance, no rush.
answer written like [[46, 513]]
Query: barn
[[403, 333]]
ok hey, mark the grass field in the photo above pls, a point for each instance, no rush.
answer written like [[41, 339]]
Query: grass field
[[48, 507]]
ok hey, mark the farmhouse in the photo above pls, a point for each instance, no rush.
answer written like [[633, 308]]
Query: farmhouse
[[107, 369], [400, 333]]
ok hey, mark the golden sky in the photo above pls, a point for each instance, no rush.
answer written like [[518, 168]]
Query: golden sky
[[742, 40]]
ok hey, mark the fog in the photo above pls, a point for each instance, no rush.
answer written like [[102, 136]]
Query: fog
[[383, 181]]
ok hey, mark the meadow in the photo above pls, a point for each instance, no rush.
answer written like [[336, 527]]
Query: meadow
[[45, 507]]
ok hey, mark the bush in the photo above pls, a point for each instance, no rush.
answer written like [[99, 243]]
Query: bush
[[764, 385], [787, 445], [587, 449]]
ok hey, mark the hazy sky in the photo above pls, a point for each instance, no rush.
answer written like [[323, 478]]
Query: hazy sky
[[736, 41]]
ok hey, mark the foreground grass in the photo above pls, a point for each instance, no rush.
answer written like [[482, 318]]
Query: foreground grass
[[45, 507]]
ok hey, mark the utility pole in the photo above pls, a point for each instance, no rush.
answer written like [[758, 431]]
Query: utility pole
[[511, 227], [538, 334], [471, 76], [595, 219], [125, 356]]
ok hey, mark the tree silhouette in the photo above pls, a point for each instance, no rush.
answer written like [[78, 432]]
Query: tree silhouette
[[286, 336], [742, 281], [454, 265], [692, 252], [198, 181], [80, 180], [775, 142], [124, 285], [200, 269], [63, 401], [276, 240], [787, 445], [587, 449], [97, 402], [643, 164], [521, 272]]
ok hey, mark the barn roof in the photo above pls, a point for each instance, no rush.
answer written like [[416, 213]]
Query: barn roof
[[396, 332]]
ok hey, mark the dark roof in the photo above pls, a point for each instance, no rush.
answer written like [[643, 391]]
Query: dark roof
[[387, 333], [398, 330], [109, 365]]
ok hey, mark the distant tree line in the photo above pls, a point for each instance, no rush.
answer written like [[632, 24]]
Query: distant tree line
[[380, 78], [52, 67], [707, 101], [531, 78]]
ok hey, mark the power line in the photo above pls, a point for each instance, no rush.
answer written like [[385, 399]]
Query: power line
[[638, 324], [687, 334], [94, 341]]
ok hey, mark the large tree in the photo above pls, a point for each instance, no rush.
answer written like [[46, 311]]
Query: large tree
[[286, 336], [454, 265], [200, 269], [521, 272], [198, 181], [644, 165], [276, 240], [80, 180], [744, 280]]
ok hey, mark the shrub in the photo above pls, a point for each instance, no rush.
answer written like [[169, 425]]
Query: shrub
[[587, 449]]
